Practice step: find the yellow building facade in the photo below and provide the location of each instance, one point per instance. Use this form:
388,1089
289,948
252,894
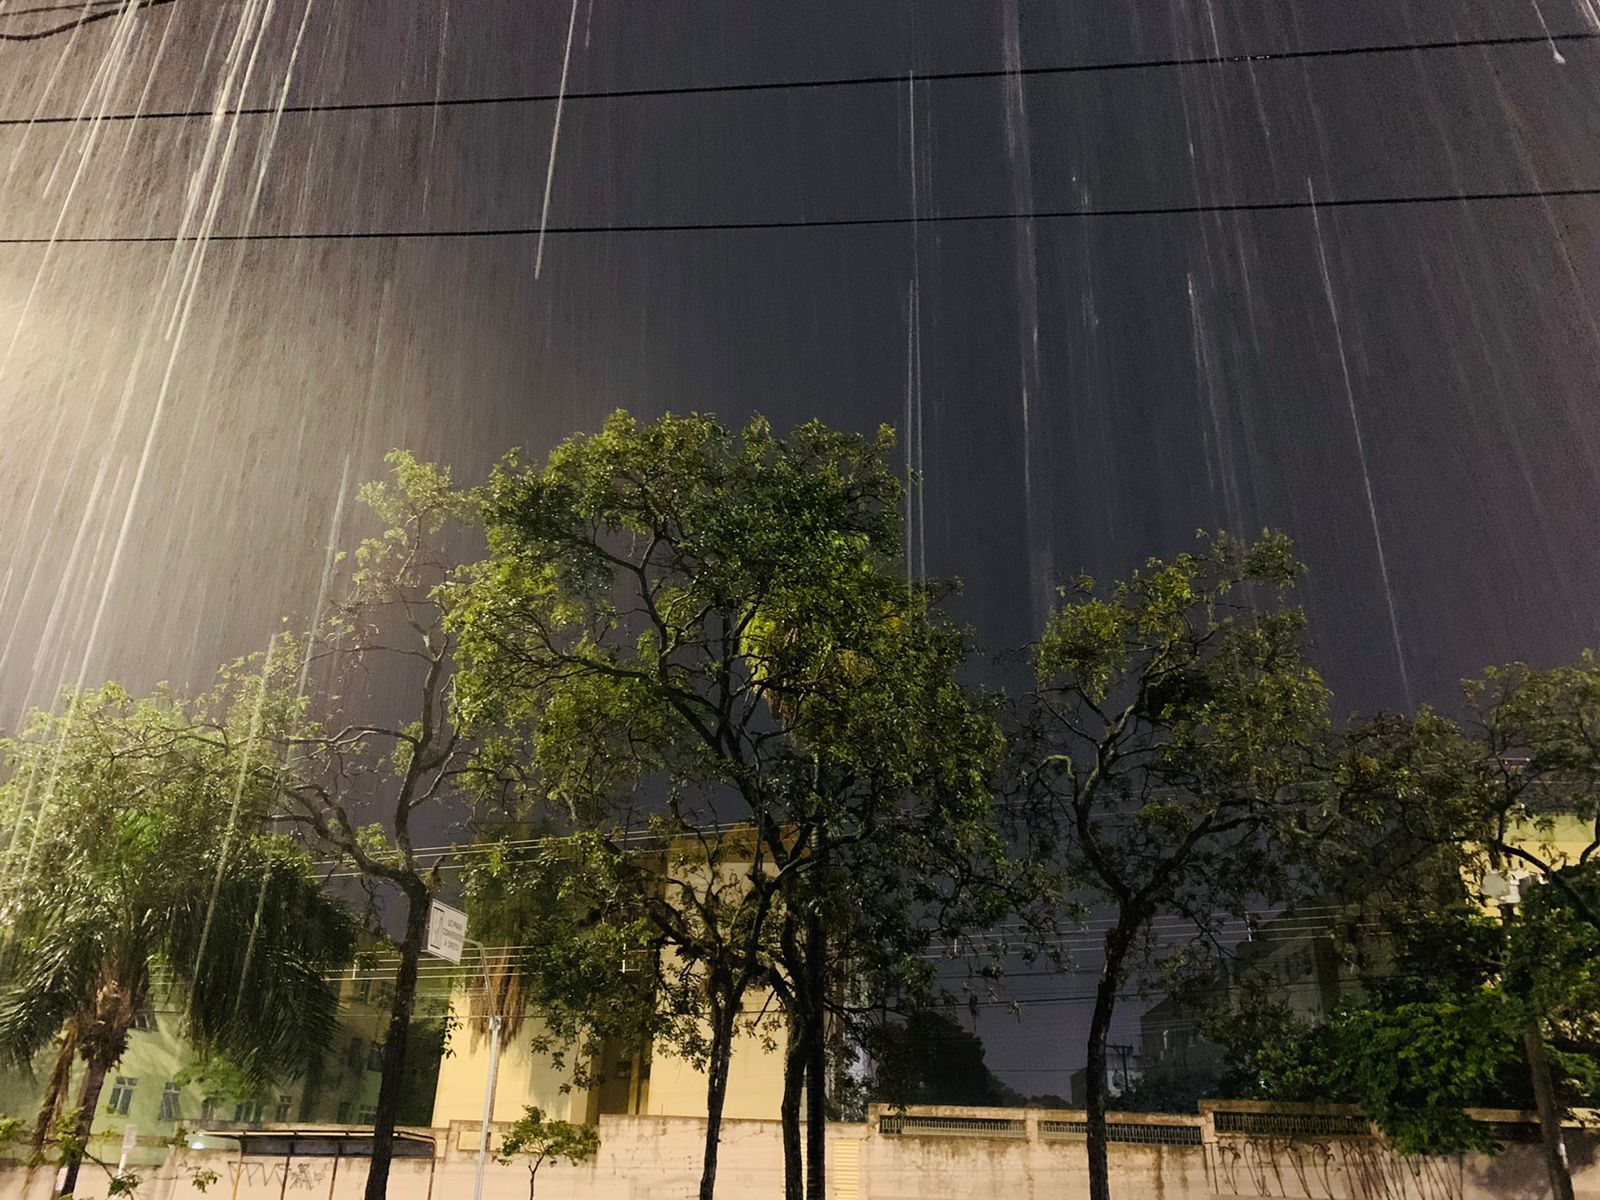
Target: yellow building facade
655,1083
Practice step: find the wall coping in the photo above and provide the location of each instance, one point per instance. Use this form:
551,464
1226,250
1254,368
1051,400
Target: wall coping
960,1111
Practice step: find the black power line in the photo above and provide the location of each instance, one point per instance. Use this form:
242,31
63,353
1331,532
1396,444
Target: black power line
718,89
1061,214
85,17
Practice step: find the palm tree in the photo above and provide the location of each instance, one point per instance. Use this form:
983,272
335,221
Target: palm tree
138,867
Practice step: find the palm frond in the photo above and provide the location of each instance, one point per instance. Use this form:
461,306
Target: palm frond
261,996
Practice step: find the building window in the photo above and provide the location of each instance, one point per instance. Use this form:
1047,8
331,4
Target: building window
248,1112
144,1020
356,1053
364,990
281,1113
171,1098
208,1109
368,1115
375,1057
344,1112
121,1095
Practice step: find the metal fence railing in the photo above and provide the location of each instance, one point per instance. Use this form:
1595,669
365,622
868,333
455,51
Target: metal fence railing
896,1124
1292,1125
1123,1131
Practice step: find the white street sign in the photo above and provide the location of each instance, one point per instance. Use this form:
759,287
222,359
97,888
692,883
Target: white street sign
1503,887
447,931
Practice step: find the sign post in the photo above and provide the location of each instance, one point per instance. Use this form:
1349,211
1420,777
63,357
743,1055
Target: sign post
488,1106
130,1140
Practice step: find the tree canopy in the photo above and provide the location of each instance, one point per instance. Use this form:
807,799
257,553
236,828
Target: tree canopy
1172,760
704,633
143,869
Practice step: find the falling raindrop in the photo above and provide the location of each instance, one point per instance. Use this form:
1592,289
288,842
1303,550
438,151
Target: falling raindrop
555,140
230,830
1361,447
1555,50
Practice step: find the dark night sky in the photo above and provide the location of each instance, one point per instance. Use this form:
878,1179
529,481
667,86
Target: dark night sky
1408,389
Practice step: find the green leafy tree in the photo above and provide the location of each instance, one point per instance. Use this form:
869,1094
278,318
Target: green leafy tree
591,969
1512,789
538,1141
1514,786
1433,1036
903,852
928,1058
141,869
1442,1028
391,619
1173,757
702,634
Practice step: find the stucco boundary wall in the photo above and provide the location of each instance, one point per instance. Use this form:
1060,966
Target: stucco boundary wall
1227,1150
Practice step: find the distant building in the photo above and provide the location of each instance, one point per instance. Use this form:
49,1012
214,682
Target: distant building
1293,957
158,1088
1124,1072
648,1081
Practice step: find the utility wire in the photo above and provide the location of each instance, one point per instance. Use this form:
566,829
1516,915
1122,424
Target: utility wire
85,18
383,966
1060,214
829,83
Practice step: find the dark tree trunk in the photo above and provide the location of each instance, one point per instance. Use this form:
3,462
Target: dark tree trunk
55,1091
722,1022
796,1058
816,985
1544,1095
1117,944
88,1105
392,1081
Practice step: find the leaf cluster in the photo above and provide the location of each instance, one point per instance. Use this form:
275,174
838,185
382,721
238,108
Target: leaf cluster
540,1140
138,847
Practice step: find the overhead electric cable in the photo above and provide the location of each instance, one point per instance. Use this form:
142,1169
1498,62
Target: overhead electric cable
829,83
1058,214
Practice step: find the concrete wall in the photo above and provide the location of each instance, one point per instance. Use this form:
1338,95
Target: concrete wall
943,1154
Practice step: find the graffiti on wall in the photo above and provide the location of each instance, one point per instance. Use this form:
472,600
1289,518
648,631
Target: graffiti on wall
299,1175
1330,1169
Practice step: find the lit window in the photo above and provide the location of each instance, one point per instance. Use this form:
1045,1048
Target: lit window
171,1097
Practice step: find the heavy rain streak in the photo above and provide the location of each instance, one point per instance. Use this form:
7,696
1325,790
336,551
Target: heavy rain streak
1115,275
1115,272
